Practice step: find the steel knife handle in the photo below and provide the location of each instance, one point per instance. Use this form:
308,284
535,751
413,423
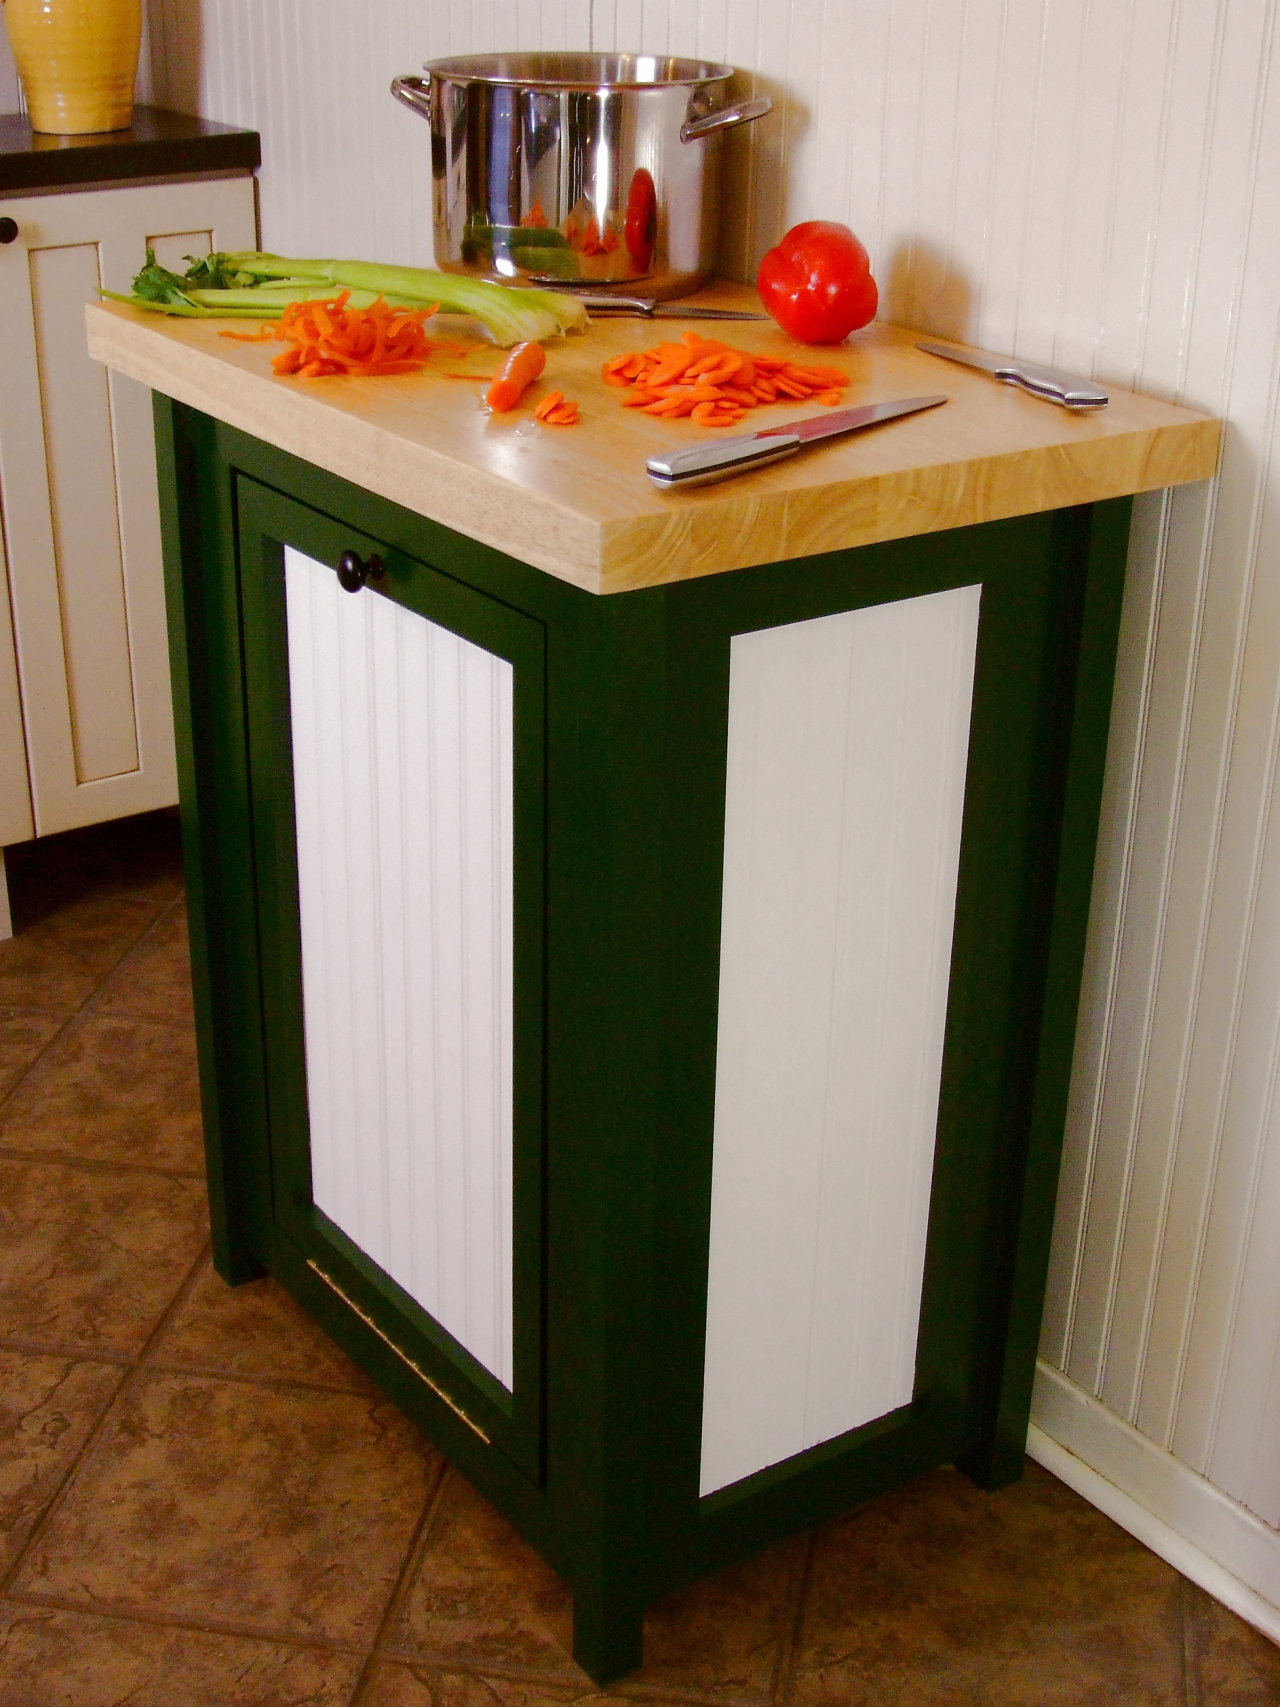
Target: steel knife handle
699,465
616,304
1069,389
1064,388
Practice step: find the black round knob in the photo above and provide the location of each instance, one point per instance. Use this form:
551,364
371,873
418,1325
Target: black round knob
8,229
354,570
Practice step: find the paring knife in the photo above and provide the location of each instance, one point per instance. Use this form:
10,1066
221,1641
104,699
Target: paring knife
1047,382
652,309
699,465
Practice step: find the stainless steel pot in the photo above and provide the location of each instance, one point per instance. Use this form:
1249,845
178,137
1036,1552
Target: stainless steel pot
595,170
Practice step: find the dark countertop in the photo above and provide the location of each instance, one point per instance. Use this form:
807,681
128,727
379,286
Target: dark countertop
158,144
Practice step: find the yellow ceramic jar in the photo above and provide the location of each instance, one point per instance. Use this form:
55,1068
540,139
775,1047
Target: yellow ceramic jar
77,60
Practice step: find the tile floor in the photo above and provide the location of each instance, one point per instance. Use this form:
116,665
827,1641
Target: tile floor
204,1504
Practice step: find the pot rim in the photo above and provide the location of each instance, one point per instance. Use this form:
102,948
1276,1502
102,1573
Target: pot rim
573,71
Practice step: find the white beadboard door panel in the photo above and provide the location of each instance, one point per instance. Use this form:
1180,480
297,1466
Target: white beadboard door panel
848,741
402,757
78,491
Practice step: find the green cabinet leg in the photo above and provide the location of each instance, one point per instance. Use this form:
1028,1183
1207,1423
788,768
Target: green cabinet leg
1101,546
608,1631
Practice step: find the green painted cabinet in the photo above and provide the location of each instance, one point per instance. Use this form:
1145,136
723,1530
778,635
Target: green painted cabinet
638,1027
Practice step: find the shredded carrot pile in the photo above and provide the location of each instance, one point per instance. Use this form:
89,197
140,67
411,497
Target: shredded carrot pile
327,337
557,410
713,384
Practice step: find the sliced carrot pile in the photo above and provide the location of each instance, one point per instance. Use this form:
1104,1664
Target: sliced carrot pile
714,384
557,410
326,337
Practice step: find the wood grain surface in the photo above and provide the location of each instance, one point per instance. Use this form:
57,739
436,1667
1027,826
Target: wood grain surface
576,502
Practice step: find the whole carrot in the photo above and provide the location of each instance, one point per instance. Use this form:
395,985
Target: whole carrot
519,369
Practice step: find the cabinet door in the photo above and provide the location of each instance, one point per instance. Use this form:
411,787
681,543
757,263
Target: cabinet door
396,760
78,490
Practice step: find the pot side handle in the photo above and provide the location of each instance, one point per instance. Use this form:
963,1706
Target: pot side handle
744,113
415,92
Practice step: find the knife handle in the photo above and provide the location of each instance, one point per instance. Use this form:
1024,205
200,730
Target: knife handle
699,465
1051,383
1058,387
616,304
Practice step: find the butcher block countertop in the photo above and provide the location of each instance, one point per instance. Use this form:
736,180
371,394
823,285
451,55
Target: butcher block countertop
576,502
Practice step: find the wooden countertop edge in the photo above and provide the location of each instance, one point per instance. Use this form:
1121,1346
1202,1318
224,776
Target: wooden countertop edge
377,460
758,519
771,527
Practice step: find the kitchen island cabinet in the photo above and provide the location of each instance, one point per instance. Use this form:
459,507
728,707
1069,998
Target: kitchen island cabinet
637,937
86,729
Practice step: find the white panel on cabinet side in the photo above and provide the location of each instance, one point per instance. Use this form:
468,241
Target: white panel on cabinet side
848,742
402,758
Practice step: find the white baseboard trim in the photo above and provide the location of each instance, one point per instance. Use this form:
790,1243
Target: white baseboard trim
1191,1524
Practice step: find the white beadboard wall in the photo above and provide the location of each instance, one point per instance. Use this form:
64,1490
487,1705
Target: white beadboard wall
10,92
1084,183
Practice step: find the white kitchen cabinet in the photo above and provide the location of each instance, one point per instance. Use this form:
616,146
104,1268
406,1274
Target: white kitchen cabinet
86,729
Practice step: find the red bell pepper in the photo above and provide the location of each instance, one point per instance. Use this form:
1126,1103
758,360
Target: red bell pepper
817,283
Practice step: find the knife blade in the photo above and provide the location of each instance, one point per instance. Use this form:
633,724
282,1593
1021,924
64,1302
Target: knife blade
699,465
652,309
1051,383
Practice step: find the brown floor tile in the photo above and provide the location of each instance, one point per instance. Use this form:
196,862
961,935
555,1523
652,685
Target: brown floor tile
482,1597
938,1594
286,1513
47,1408
23,1035
397,1685
1232,1664
114,1089
720,1640
57,962
73,1659
154,981
90,1260
253,1330
138,857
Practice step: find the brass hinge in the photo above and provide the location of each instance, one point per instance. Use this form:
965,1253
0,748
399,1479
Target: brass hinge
402,1355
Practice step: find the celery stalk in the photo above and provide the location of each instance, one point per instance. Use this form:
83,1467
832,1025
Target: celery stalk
509,315
512,316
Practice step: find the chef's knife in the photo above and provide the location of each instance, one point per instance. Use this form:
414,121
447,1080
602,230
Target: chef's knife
1048,382
651,309
699,465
